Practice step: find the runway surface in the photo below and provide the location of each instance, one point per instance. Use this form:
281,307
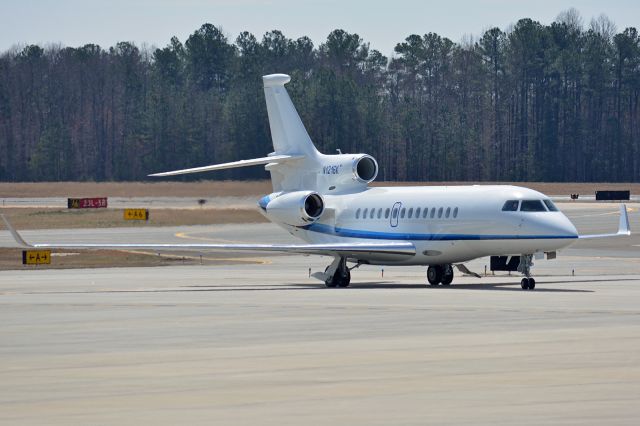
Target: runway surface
265,344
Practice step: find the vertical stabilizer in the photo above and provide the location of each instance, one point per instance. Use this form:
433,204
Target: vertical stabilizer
287,131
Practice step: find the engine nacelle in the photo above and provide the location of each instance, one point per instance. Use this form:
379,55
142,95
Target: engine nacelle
293,208
348,170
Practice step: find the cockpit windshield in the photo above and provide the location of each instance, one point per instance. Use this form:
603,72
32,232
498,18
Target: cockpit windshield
529,206
532,206
510,206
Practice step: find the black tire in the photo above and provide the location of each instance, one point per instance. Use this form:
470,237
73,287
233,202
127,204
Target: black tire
344,280
339,280
447,275
532,283
524,283
434,274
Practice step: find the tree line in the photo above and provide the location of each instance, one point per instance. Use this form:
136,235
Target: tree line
556,102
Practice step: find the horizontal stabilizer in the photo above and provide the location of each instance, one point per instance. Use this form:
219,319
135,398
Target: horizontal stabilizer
623,226
232,165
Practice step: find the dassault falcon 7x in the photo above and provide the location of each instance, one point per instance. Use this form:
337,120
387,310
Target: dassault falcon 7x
325,200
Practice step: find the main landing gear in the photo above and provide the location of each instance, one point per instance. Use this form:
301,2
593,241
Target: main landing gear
526,262
337,274
440,274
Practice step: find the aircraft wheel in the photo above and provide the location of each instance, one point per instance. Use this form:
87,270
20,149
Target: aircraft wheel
528,283
447,275
339,280
345,279
434,274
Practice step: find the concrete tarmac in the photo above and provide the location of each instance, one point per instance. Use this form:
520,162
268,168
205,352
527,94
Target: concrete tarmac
265,344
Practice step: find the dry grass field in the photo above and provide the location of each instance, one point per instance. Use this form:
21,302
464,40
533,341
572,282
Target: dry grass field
47,218
135,189
245,188
549,188
11,259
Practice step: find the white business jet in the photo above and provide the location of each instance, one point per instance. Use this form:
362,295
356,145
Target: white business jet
325,201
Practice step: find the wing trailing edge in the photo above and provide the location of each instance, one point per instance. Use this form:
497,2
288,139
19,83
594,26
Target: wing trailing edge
395,250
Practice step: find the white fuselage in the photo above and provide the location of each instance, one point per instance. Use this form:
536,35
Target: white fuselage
461,223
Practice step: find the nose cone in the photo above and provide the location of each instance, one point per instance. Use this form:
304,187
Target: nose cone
567,227
555,225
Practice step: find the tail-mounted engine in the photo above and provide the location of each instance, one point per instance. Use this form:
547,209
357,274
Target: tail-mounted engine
297,208
346,171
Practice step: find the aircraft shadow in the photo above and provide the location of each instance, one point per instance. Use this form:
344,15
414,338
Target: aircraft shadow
478,287
372,285
540,286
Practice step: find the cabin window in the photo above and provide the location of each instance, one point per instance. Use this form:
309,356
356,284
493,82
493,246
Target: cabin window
425,212
532,206
395,213
418,213
373,212
410,212
552,207
433,212
510,206
448,212
364,214
455,212
386,213
439,212
379,213
402,212
358,214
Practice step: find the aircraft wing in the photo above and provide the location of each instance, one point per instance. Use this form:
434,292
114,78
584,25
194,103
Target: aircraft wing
232,165
386,250
623,226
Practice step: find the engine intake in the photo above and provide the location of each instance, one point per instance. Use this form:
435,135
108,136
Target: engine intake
295,208
313,206
365,169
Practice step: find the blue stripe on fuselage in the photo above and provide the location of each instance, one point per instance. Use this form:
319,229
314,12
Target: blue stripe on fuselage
357,233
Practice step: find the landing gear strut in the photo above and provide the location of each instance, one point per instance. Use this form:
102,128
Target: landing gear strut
440,274
526,262
338,274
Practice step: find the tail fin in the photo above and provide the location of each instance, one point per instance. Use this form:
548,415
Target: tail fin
293,164
287,131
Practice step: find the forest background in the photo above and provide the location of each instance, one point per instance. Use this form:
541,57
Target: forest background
557,102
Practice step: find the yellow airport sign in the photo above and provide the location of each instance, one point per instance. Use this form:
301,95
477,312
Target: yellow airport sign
36,257
136,214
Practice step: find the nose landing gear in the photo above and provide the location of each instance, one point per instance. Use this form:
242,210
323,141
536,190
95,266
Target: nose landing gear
528,283
526,262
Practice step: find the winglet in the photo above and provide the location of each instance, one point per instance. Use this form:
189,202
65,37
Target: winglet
14,233
623,226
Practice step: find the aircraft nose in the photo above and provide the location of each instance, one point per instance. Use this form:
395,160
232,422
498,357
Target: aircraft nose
567,227
556,225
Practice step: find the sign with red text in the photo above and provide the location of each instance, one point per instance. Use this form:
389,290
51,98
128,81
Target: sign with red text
87,203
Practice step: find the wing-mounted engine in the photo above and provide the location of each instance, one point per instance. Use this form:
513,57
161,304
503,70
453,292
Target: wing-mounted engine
344,172
297,208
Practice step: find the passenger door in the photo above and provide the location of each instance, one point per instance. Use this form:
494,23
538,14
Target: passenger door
395,213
